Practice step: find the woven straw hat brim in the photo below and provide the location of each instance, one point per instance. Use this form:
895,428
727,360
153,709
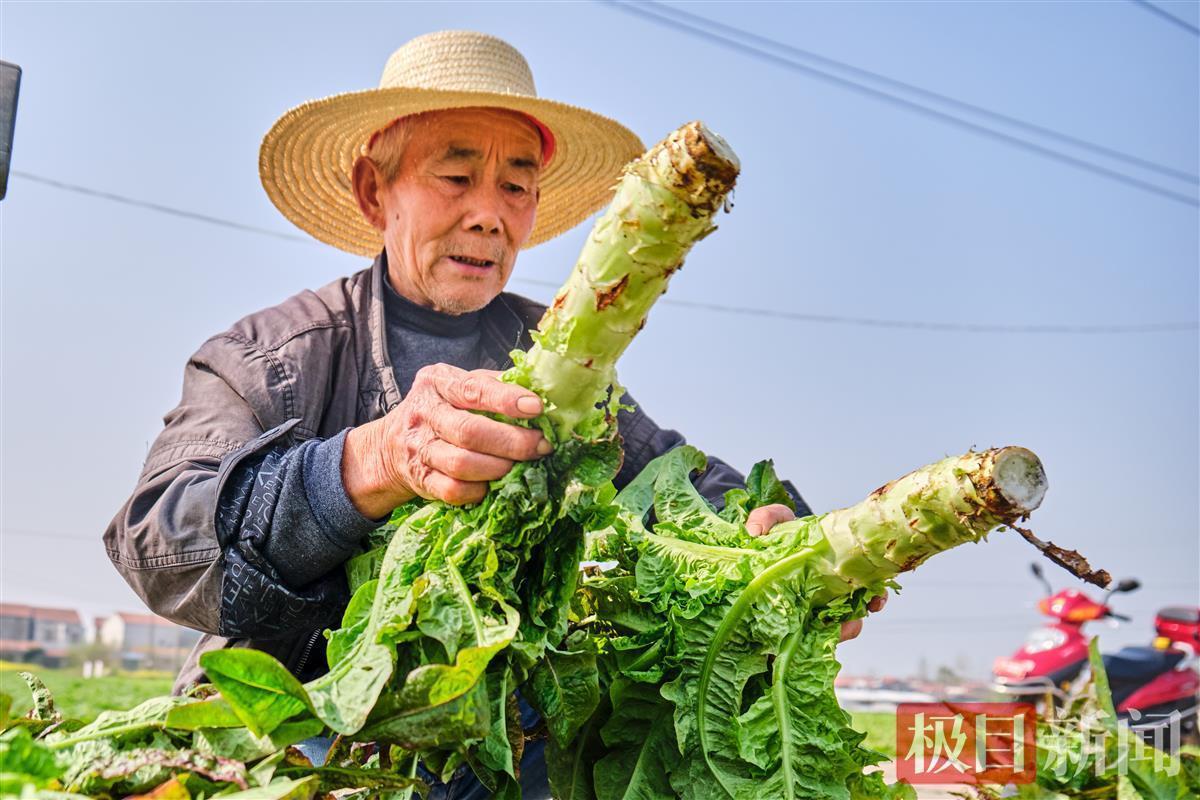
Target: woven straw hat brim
306,159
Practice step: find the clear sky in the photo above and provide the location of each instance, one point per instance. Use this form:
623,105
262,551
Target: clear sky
847,207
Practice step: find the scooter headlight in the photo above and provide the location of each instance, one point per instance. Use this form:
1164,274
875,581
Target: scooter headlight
1043,639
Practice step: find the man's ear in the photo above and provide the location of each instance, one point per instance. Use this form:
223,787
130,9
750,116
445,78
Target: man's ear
368,185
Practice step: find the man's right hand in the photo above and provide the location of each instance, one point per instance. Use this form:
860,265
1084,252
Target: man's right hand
432,445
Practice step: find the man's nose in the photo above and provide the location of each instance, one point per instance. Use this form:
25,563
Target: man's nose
483,215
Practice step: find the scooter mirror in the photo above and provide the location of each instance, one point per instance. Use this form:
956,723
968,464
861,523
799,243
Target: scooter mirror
1128,585
1036,569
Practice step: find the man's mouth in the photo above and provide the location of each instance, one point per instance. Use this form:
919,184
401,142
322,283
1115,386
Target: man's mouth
473,262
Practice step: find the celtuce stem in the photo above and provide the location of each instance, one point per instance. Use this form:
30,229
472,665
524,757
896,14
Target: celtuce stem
934,508
663,205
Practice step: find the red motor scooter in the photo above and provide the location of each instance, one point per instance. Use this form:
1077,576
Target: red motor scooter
1157,688
1053,656
1153,688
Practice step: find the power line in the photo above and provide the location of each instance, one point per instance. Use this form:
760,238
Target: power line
795,316
941,98
670,18
1166,15
177,212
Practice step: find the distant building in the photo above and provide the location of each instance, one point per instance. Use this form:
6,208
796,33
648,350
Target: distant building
146,641
38,635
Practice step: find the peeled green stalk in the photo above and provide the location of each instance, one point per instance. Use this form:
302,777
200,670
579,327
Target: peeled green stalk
663,205
904,522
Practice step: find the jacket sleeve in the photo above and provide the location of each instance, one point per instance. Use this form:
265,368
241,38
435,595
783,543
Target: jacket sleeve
644,441
220,533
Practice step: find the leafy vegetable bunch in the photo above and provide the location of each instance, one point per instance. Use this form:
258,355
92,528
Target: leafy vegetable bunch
713,650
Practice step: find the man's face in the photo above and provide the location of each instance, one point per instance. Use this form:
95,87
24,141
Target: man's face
461,206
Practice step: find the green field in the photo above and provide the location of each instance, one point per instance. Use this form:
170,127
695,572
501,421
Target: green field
84,699
880,728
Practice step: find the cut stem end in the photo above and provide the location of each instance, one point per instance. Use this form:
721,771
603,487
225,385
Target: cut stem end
1019,476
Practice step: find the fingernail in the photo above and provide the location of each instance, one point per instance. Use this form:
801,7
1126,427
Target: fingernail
754,529
529,405
544,448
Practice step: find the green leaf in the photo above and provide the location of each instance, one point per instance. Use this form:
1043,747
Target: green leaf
1101,687
354,623
345,696
364,567
677,503
282,789
565,690
242,745
379,782
640,737
796,730
671,571
262,773
43,709
637,498
142,768
765,488
25,762
120,725
260,690
214,712
439,705
569,768
500,750
447,611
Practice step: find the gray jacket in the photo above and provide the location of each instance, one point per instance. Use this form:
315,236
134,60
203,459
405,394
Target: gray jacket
190,539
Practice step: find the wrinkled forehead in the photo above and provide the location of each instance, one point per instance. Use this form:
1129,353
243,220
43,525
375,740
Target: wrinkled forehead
469,132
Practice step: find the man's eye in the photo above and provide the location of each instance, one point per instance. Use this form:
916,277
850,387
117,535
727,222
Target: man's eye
458,180
513,188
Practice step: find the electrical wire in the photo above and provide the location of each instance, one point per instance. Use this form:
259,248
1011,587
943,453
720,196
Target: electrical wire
1166,15
760,313
669,18
162,209
954,102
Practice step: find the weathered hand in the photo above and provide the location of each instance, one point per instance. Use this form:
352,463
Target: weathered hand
432,445
763,518
854,627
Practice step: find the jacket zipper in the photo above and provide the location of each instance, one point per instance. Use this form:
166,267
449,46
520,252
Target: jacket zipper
308,648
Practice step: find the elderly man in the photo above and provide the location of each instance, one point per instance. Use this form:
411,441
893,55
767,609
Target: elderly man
302,426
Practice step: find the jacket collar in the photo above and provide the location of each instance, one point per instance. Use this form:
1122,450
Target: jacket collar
376,326
504,330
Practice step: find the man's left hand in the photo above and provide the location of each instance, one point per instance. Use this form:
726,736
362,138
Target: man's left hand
763,518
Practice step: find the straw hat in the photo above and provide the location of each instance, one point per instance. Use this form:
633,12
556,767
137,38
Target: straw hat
306,158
